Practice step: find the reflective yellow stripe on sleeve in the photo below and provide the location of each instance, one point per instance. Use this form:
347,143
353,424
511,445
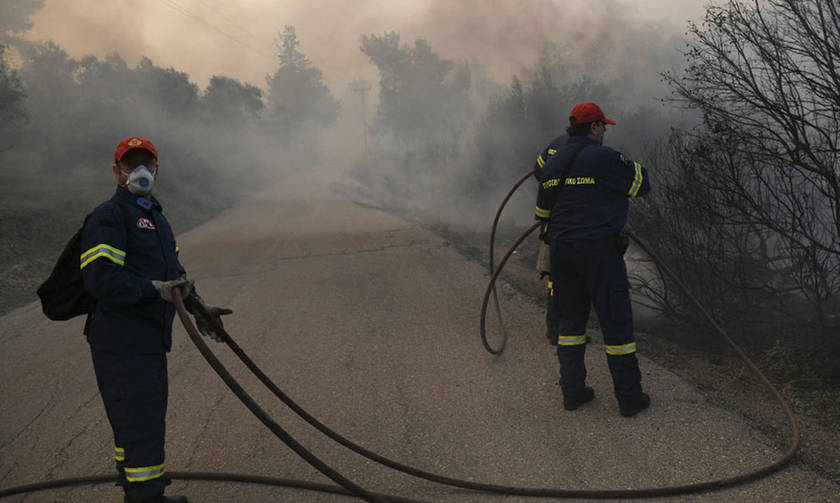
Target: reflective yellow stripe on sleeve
541,213
551,151
637,181
102,250
624,349
540,161
143,473
119,453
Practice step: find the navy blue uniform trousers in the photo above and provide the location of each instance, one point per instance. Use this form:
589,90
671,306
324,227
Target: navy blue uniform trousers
586,274
134,389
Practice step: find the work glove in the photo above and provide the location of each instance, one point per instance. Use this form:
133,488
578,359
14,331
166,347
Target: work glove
544,232
165,288
212,328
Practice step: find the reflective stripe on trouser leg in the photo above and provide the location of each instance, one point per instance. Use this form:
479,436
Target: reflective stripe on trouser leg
134,390
621,349
144,473
119,453
612,304
572,302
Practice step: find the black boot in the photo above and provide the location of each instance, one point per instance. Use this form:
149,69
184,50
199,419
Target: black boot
158,499
572,402
634,407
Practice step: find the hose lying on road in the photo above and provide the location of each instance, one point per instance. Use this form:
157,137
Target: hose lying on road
349,488
513,490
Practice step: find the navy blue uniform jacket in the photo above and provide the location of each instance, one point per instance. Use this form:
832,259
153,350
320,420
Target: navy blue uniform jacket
126,243
590,202
552,148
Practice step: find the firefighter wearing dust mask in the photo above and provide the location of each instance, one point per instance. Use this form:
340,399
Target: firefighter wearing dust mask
129,263
583,196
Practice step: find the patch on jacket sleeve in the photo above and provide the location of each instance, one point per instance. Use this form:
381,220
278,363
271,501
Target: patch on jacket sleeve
625,160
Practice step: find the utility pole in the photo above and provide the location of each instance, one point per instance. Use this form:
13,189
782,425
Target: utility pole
362,87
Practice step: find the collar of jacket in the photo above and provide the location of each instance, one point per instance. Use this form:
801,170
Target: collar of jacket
578,140
124,195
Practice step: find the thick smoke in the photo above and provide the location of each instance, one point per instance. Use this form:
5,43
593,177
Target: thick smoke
211,37
147,68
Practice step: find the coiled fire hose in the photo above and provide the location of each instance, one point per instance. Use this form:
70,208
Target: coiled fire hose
351,489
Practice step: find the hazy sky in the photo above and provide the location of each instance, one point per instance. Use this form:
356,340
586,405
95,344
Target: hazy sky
234,37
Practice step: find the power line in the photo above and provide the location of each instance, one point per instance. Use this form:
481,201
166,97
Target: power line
184,11
225,16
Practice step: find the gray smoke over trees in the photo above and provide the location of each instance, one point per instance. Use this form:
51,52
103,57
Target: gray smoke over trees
230,102
421,122
15,17
412,79
451,142
62,118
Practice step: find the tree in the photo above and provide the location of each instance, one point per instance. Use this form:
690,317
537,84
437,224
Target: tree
14,16
519,123
297,98
12,111
423,99
49,79
230,102
168,88
765,76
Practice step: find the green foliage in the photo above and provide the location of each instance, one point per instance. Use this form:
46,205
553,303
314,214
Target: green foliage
297,99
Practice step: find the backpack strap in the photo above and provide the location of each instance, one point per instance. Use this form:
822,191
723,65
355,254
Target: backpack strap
569,166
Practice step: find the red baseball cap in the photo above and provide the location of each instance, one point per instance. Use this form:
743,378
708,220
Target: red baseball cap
588,112
131,143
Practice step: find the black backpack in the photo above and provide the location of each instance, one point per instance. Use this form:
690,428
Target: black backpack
63,295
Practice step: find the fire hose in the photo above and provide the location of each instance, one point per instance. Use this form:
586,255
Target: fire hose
347,487
701,486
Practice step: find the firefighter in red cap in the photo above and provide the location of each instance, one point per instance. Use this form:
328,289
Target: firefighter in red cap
129,263
583,196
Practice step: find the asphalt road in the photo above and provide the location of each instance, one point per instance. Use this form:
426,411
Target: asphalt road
370,323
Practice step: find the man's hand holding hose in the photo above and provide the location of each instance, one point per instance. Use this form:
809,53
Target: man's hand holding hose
210,325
